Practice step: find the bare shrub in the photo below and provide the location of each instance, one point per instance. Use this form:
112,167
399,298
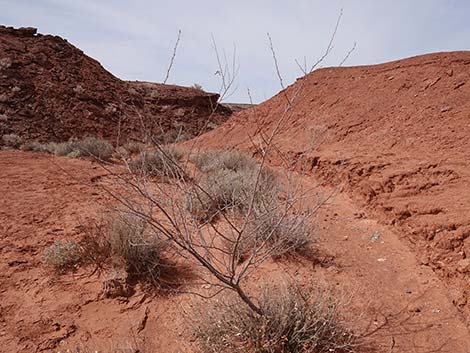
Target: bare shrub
161,163
62,256
12,140
293,322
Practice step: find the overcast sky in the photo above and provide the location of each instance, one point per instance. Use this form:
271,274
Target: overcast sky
134,39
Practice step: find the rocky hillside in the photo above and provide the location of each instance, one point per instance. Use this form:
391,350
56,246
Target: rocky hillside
50,90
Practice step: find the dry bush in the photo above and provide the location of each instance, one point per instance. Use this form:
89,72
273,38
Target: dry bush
293,322
134,147
124,242
283,233
162,163
89,146
69,149
96,147
62,256
232,189
223,159
36,146
12,140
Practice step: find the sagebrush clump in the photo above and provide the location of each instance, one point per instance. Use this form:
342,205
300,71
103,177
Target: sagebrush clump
162,163
231,181
292,322
12,140
125,242
62,255
89,146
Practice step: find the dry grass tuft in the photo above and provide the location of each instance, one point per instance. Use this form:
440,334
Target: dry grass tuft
163,163
12,140
232,188
62,256
293,322
89,146
223,159
282,233
125,242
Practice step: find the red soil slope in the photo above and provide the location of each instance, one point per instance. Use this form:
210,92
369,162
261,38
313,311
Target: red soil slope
50,90
395,136
391,300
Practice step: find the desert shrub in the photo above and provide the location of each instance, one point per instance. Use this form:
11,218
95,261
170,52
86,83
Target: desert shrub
89,146
163,163
225,189
62,255
124,241
222,159
134,147
282,233
12,140
198,87
36,146
95,147
69,148
170,136
292,322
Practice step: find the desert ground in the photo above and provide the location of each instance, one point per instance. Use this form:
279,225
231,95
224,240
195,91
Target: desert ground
377,156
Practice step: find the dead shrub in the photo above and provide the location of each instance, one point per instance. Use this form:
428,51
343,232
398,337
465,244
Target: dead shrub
163,163
292,322
62,256
12,140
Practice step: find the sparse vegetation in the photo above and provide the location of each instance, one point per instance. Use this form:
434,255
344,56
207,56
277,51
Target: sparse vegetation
283,233
62,255
293,322
125,243
89,146
162,163
12,141
232,181
36,146
223,159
